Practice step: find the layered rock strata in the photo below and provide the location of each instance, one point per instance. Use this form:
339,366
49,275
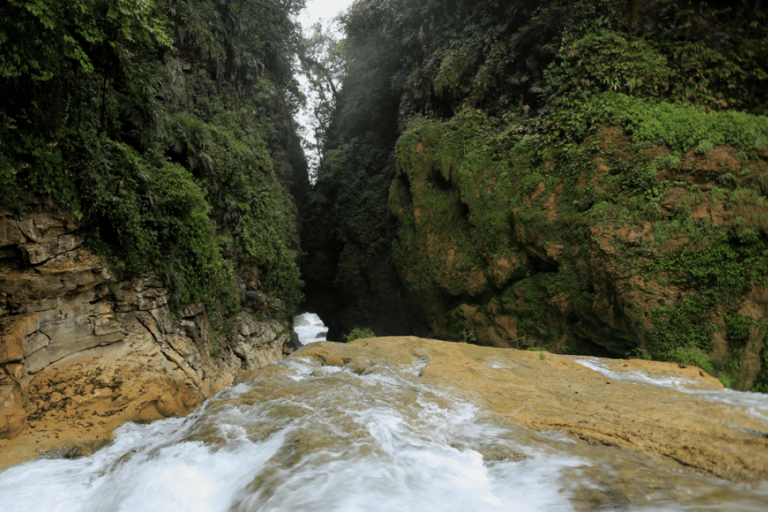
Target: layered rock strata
80,350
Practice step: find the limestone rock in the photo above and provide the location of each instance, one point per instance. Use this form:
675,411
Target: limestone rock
75,328
37,253
55,282
199,329
35,342
71,352
191,310
13,333
47,225
10,234
36,361
141,294
12,414
257,343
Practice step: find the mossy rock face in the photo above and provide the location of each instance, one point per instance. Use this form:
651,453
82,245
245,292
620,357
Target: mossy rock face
631,243
588,176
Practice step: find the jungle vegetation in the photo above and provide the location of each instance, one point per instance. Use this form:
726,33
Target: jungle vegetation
164,126
522,89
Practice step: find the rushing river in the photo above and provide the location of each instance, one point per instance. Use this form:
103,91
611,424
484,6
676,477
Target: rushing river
301,436
309,327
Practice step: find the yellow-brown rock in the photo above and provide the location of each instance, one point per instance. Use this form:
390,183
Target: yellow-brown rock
78,358
546,392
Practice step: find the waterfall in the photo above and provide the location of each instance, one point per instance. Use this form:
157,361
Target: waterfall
310,328
300,435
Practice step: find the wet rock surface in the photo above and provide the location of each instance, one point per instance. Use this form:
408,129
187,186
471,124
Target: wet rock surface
548,392
439,424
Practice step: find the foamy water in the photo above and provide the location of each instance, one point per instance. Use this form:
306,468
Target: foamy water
310,328
321,438
755,403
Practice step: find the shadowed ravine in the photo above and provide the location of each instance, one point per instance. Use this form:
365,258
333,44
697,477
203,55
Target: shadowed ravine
414,424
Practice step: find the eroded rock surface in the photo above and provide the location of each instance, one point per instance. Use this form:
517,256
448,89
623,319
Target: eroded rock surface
548,392
83,353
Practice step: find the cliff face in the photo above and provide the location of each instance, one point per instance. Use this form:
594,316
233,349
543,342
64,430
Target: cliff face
586,176
508,252
158,137
79,349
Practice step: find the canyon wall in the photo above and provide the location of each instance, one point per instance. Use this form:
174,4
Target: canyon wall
78,346
569,253
588,177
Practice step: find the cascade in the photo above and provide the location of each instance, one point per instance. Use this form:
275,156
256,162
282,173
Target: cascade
323,431
310,328
384,425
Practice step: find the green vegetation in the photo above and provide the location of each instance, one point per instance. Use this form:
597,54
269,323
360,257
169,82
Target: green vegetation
359,333
587,176
165,128
678,126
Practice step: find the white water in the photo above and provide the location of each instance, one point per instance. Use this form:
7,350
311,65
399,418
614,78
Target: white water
322,438
346,443
310,328
755,403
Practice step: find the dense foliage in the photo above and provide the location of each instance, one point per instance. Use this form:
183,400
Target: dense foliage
165,126
494,102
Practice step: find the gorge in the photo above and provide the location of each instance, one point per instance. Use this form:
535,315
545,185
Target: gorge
590,180
553,216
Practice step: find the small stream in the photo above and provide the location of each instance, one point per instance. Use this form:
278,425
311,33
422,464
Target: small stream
300,436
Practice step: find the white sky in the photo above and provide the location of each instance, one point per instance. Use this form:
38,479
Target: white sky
316,10
325,9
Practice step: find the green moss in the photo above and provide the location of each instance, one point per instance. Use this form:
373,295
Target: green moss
161,216
680,127
516,154
723,267
359,333
737,327
187,179
681,329
717,263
